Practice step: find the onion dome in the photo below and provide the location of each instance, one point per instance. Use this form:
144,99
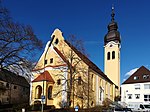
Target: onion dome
113,33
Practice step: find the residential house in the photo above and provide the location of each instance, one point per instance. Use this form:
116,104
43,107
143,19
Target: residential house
14,89
136,89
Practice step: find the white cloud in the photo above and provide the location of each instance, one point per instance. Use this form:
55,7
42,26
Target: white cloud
131,72
124,80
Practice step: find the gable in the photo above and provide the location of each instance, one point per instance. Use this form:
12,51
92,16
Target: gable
55,52
140,76
53,58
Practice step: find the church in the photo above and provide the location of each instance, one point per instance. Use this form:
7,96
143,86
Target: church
64,76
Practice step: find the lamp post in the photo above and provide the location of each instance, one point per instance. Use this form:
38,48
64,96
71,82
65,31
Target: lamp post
44,97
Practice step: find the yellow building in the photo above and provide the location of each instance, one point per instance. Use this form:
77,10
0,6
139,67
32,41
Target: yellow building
64,71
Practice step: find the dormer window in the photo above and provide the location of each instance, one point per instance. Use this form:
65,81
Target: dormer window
145,76
136,77
51,60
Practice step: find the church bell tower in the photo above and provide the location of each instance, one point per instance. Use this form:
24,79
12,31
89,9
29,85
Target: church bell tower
112,47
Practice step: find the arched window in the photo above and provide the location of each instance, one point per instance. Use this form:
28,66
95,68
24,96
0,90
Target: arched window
38,92
113,55
50,92
108,56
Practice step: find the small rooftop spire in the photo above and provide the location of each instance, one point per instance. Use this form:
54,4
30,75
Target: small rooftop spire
113,33
112,13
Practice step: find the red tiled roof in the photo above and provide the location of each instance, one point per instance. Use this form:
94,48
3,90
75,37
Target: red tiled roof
45,76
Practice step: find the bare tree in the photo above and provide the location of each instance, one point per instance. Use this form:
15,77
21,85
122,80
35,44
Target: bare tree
18,43
76,85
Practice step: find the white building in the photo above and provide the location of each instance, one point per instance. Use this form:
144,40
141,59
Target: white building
136,89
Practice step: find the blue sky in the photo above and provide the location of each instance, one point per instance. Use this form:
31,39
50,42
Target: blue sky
88,20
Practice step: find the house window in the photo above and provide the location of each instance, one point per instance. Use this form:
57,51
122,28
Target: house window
79,80
137,96
56,41
146,97
7,85
113,55
136,78
100,93
50,92
137,86
23,88
145,76
45,62
51,60
15,87
146,86
129,96
108,56
92,82
58,82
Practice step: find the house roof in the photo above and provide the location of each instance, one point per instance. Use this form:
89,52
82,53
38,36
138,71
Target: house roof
140,76
88,62
45,76
13,78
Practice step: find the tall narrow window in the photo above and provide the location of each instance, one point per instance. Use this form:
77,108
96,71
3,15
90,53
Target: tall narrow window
45,62
58,82
79,80
92,82
51,60
56,41
50,92
7,85
108,56
38,92
113,55
101,94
